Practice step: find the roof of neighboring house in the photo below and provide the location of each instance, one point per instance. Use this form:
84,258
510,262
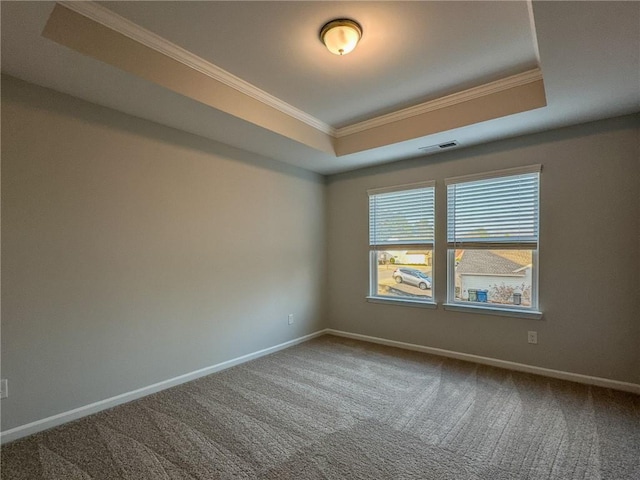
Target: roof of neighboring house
418,252
496,262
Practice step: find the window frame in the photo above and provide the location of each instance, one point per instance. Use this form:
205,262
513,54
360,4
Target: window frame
532,312
374,250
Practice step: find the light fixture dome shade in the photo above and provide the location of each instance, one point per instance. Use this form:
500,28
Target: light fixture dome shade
341,36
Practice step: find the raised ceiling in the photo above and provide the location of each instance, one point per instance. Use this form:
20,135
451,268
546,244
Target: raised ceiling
275,46
424,72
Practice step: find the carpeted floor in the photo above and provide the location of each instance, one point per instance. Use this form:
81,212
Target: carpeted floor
339,409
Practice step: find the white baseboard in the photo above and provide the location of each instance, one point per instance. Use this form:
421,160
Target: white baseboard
76,413
520,367
64,417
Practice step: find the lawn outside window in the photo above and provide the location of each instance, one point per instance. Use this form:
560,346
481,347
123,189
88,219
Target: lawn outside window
401,242
492,242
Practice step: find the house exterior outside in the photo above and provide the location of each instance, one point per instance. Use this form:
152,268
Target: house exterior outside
500,272
407,257
417,257
385,257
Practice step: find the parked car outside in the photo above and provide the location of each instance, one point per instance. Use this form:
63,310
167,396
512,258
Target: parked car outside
411,276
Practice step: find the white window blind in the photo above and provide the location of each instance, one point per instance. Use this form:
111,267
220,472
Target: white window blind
402,217
497,210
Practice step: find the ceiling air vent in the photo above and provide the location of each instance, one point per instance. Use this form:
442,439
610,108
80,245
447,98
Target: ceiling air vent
441,146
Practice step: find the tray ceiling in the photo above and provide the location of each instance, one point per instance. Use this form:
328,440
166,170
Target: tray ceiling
254,75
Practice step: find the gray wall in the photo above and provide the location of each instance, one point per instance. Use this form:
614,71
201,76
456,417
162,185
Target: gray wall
589,253
133,253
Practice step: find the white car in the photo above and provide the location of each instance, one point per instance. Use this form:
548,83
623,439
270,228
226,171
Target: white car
411,276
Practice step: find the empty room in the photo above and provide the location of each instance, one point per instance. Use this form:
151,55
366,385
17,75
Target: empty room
320,240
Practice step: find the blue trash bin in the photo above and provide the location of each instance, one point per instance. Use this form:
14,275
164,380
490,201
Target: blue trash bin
482,295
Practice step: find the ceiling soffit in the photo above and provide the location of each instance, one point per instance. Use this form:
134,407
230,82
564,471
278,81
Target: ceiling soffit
97,32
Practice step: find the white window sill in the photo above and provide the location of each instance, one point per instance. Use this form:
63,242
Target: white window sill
403,302
502,312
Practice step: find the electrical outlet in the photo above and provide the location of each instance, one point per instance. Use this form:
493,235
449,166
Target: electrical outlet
532,337
4,388
291,319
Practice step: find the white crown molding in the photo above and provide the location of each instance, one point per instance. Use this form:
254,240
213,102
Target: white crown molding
534,31
444,102
115,22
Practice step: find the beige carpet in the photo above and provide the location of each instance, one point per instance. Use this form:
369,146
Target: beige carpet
333,408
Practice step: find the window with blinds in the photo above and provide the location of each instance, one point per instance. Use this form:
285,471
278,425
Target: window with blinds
401,239
492,238
500,211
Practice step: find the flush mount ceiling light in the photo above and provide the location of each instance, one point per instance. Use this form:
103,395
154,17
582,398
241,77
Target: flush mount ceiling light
341,35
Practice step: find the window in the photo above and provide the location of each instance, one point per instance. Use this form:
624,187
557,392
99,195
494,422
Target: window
492,239
401,238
